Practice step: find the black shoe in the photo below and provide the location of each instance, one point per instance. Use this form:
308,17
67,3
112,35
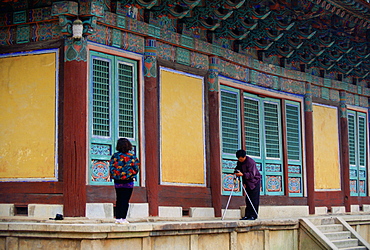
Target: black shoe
244,218
251,218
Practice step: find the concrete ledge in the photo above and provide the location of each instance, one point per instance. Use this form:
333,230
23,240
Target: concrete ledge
366,208
138,210
99,210
166,211
338,210
355,208
277,212
321,210
44,210
231,213
202,212
7,209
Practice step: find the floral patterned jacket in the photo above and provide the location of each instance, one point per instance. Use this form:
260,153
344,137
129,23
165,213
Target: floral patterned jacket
123,166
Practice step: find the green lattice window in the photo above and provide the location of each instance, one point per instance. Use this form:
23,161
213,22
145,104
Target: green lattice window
294,148
126,121
113,110
272,129
230,121
362,139
352,138
252,127
293,135
230,136
357,137
262,126
256,123
101,94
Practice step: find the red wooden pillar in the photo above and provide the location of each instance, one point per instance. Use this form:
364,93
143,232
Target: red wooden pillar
214,136
344,151
309,150
151,115
74,144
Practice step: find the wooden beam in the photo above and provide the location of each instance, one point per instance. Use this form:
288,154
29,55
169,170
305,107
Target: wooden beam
345,162
74,138
215,151
310,161
151,115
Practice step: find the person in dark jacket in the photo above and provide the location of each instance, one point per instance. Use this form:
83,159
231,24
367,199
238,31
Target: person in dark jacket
246,167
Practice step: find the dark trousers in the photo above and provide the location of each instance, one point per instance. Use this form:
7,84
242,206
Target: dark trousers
254,196
123,197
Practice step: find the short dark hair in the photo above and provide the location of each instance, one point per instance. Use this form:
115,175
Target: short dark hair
123,145
241,153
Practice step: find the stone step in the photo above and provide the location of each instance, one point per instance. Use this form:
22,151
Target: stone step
330,228
338,235
354,248
328,221
341,235
345,243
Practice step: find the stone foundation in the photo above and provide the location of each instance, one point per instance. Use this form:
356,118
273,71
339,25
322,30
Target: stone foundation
7,209
18,232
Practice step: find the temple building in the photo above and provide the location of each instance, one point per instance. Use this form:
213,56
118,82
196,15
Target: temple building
188,82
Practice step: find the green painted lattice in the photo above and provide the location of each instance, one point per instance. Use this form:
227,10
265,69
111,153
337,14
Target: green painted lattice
262,140
362,140
101,94
252,127
272,159
272,133
352,138
230,131
230,121
293,131
294,148
362,154
126,101
262,123
357,137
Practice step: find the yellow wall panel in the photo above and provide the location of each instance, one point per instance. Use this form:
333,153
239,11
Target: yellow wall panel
326,148
182,128
27,116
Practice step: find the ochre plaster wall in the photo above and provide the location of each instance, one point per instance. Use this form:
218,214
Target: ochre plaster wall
326,147
182,128
27,115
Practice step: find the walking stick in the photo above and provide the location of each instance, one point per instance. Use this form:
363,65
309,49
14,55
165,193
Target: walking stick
249,200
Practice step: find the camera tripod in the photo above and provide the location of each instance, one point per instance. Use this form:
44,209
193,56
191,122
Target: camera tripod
235,180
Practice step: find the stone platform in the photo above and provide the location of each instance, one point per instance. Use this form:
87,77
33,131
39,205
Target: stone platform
17,232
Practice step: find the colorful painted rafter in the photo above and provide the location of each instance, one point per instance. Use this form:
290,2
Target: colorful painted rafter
329,34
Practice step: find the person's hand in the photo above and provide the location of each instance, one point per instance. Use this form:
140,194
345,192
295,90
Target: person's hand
239,174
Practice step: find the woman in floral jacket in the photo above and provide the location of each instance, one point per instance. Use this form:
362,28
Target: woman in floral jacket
123,168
